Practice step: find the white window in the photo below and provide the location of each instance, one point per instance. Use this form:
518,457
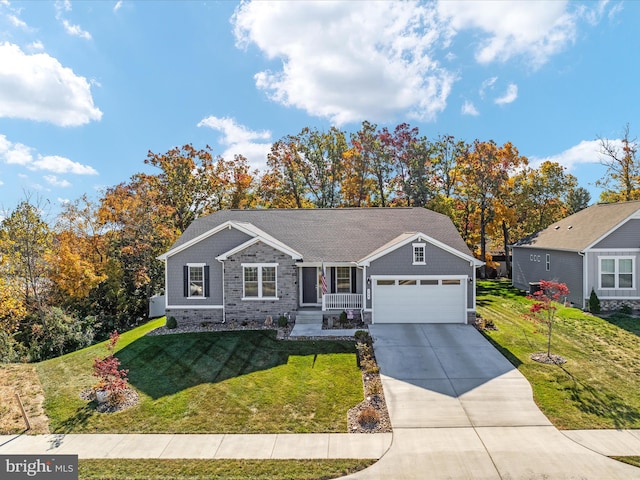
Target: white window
418,254
196,281
259,281
343,279
548,262
617,272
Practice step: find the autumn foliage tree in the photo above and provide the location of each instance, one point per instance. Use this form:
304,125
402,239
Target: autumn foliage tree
111,378
545,305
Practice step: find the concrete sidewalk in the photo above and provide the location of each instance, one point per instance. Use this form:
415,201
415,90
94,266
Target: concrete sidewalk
204,446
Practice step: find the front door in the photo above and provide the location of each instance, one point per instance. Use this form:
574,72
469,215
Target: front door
310,290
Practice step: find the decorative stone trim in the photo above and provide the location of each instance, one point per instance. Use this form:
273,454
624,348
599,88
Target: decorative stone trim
195,317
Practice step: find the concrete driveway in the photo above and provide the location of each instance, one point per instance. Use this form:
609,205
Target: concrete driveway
460,410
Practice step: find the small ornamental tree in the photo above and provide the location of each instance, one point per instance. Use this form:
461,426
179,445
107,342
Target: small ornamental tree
543,310
112,378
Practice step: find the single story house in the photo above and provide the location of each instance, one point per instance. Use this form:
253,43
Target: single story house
596,248
403,265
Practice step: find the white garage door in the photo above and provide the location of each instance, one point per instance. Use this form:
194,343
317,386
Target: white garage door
419,300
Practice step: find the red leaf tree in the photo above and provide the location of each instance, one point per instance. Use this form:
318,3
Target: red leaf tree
111,377
546,301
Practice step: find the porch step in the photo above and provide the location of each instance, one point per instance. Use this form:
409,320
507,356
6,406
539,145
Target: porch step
313,317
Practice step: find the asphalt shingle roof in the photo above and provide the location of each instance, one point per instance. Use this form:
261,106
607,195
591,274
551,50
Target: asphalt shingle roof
344,235
580,230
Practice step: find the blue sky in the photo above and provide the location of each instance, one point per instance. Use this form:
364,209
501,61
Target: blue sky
88,88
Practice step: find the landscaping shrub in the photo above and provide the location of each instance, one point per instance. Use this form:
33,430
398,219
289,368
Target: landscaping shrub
368,416
111,378
362,336
594,302
374,387
282,321
626,309
172,323
343,319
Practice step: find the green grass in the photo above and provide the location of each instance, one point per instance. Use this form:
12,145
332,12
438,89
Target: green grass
211,382
218,469
635,461
598,387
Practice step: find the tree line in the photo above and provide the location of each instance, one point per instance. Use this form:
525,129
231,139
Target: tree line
68,283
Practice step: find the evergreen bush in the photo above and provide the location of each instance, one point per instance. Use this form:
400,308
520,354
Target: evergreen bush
172,323
594,302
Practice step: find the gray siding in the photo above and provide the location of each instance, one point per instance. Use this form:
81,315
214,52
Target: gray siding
438,262
529,265
205,252
627,236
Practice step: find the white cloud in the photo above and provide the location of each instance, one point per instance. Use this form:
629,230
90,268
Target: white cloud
509,96
117,6
347,63
57,164
20,154
37,87
587,151
75,30
37,45
232,132
469,109
534,30
240,140
57,182
488,84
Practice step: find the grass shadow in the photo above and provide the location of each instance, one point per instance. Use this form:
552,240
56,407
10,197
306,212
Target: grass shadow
514,360
79,418
602,404
166,364
626,322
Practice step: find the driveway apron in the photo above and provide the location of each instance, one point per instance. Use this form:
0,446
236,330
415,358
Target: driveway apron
460,410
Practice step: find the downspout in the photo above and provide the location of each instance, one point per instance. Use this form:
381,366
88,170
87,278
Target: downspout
584,280
224,304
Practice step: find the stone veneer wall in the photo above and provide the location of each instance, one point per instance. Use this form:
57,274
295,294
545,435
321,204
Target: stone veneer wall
195,317
612,305
257,310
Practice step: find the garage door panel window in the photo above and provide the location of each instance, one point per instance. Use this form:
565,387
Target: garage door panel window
383,283
429,282
406,282
450,282
617,272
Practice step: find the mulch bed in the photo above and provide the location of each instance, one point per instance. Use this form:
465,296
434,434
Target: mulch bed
130,399
542,357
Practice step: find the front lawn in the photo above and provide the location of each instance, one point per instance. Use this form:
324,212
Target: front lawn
598,387
211,382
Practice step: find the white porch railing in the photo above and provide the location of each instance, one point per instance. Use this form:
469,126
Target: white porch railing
342,301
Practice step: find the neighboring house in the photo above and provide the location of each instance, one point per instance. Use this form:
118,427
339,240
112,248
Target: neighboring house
402,265
597,248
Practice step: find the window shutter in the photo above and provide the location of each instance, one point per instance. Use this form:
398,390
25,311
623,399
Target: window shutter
185,271
353,280
206,281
